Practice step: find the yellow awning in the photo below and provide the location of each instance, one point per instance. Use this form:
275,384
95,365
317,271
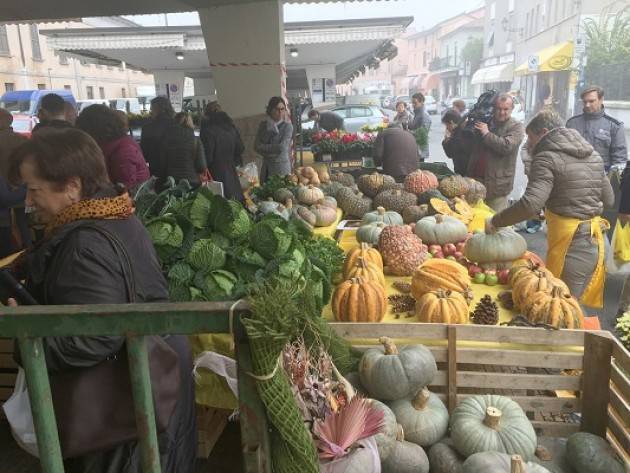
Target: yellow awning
554,58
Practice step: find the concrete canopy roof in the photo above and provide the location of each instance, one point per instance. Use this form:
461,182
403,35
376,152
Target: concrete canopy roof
349,44
29,10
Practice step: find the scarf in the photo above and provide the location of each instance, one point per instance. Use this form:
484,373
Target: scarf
111,208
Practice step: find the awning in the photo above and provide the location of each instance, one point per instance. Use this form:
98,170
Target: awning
431,81
554,58
498,73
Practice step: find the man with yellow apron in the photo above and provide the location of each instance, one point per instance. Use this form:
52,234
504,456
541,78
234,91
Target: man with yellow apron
567,178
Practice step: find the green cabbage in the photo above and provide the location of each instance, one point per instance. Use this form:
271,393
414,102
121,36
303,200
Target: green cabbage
165,231
181,273
269,240
206,255
230,218
215,285
200,209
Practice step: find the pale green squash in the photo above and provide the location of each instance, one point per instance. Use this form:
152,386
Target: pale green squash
381,215
443,457
406,457
370,233
390,432
495,462
588,453
424,417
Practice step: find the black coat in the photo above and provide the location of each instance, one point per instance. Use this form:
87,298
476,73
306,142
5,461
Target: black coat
181,155
224,148
80,266
151,141
459,148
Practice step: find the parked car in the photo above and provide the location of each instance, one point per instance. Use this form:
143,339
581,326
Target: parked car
24,106
356,117
430,105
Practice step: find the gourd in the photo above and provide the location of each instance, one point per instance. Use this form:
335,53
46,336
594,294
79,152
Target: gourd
414,213
370,233
309,195
424,417
332,188
389,374
322,173
495,462
382,215
372,184
440,229
343,177
395,200
329,201
528,285
364,251
359,300
453,186
406,457
492,423
444,307
282,195
440,274
307,176
401,249
557,309
420,181
588,453
443,457
390,432
354,205
426,197
525,268
324,216
367,271
505,245
476,191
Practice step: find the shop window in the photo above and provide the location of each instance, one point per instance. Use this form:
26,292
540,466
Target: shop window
89,90
35,46
4,41
68,87
9,86
101,92
41,86
123,92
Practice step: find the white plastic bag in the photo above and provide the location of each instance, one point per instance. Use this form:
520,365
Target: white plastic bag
614,265
219,364
18,411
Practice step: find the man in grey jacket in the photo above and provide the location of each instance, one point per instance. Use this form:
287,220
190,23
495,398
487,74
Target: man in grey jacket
603,132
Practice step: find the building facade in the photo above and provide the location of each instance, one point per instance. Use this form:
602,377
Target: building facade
26,63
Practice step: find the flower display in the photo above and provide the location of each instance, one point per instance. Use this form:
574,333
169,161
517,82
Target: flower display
340,141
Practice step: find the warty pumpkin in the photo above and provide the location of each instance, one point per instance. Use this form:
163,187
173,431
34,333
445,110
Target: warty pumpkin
476,191
588,453
505,245
344,178
401,249
440,274
367,271
453,186
424,418
414,213
354,204
420,181
359,300
492,423
364,251
390,374
372,184
395,200
370,233
381,215
332,188
527,286
440,229
556,308
444,307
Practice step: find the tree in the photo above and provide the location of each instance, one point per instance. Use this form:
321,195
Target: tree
608,39
472,53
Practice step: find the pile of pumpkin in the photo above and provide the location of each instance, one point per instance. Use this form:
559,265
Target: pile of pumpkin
488,433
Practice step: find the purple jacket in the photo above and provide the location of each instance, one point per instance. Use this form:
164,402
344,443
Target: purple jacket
125,163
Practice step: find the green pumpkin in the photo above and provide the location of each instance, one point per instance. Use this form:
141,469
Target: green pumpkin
588,453
426,197
389,374
443,457
395,200
424,418
282,195
332,188
496,462
390,432
382,215
504,245
492,422
406,457
441,229
370,233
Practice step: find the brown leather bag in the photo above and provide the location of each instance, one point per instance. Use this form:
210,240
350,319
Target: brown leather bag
94,406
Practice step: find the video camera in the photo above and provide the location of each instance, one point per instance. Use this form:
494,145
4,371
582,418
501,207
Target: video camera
482,111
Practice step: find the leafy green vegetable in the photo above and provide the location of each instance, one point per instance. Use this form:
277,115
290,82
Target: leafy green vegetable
179,292
221,241
269,240
325,253
216,285
181,273
205,255
200,209
271,185
165,231
230,218
244,254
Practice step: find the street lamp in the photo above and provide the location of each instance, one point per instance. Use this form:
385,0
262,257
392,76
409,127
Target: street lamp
294,52
179,55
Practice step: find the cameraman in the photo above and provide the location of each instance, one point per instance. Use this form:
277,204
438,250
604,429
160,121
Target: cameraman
456,144
493,159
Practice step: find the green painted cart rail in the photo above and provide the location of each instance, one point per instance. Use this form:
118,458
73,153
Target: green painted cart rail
29,325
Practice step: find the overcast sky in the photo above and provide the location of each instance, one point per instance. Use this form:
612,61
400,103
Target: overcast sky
425,12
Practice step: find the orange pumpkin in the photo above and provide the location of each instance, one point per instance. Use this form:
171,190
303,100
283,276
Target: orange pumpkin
557,309
528,285
440,274
359,300
366,270
446,307
364,251
525,267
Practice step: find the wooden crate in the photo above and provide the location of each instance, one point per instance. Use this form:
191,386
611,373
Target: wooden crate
8,370
566,380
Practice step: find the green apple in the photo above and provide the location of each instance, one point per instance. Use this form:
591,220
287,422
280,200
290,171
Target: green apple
479,278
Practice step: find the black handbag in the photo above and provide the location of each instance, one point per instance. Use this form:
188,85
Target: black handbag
94,406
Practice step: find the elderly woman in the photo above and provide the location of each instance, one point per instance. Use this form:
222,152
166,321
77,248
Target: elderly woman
95,251
273,140
403,117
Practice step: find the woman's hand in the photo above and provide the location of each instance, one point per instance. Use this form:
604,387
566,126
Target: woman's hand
12,302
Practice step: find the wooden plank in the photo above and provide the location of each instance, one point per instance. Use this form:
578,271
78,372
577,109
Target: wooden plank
619,430
408,330
614,443
621,355
554,429
472,379
452,368
555,405
8,379
620,406
620,380
531,359
6,345
6,361
597,354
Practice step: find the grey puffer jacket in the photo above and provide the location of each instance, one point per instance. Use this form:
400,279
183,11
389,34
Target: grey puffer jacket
273,143
567,177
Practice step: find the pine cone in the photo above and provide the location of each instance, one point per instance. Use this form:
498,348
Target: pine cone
505,298
486,312
402,286
401,303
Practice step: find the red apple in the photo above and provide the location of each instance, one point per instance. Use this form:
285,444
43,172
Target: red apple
479,278
449,249
491,279
504,275
460,246
473,270
458,255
